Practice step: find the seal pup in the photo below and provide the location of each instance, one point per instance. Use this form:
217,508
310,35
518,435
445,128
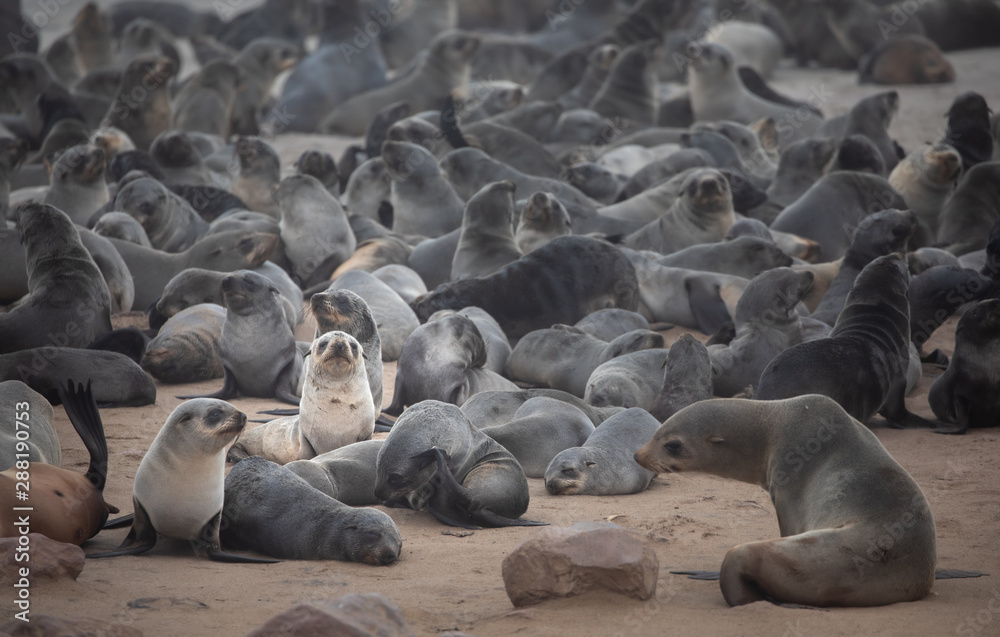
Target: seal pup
598,63
435,460
445,68
272,511
12,154
541,428
260,63
611,323
864,360
486,242
179,160
743,256
830,505
336,408
404,281
870,117
443,360
605,465
42,445
123,226
860,26
259,356
926,178
905,59
563,357
966,395
754,45
259,175
431,259
341,310
190,449
170,223
367,187
630,89
495,408
346,474
322,166
314,228
497,346
143,120
188,347
968,129
561,282
718,94
687,378
766,325
800,165
971,211
68,302
860,154
423,201
205,104
78,186
117,380
395,320
542,218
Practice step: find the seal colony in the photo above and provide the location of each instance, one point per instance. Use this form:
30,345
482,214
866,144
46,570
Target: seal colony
537,228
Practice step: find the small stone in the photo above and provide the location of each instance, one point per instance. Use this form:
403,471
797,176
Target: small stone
566,561
49,560
354,615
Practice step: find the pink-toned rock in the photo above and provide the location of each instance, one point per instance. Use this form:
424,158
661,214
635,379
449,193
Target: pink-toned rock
354,615
49,560
48,626
566,561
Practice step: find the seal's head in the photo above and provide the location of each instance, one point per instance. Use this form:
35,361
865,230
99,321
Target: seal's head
207,424
344,311
82,164
708,190
568,471
337,355
247,292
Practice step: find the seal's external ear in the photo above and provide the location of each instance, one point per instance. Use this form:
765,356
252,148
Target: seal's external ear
715,439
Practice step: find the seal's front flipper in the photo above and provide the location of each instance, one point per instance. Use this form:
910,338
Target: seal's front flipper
384,422
140,538
937,357
707,576
450,503
119,523
208,542
228,388
490,519
707,307
947,573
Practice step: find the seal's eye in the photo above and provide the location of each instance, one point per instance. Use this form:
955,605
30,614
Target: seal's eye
674,446
396,480
215,415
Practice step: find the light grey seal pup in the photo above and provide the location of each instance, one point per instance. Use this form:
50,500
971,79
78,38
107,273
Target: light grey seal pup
179,485
423,201
274,512
443,360
78,186
345,311
346,474
743,256
604,465
121,225
542,218
336,407
258,350
832,505
367,187
766,325
395,320
687,378
171,224
188,347
68,303
611,323
486,242
563,357
42,445
497,345
435,459
540,429
314,228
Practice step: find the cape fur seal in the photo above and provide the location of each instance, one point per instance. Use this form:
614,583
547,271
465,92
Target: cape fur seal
188,347
346,474
78,186
345,311
141,108
314,228
926,178
971,211
435,459
270,510
486,242
834,487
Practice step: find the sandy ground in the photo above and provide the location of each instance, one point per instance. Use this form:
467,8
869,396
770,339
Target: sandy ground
446,583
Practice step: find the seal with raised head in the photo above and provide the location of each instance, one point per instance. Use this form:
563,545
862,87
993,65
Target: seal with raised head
68,302
260,174
863,364
486,242
345,311
395,320
314,228
143,119
497,345
258,349
605,464
869,117
542,218
833,485
423,201
78,186
171,224
179,485
270,510
336,408
561,282
435,459
971,211
926,178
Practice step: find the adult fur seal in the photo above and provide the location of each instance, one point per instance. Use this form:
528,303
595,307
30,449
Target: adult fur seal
833,485
443,360
270,510
258,350
862,365
178,491
68,303
336,408
435,459
966,394
345,311
561,282
605,464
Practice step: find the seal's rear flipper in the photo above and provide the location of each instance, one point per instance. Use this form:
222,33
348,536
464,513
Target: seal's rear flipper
756,85
490,519
228,388
947,573
937,357
140,538
82,411
450,503
898,416
383,423
708,576
232,558
279,412
119,523
708,308
208,541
